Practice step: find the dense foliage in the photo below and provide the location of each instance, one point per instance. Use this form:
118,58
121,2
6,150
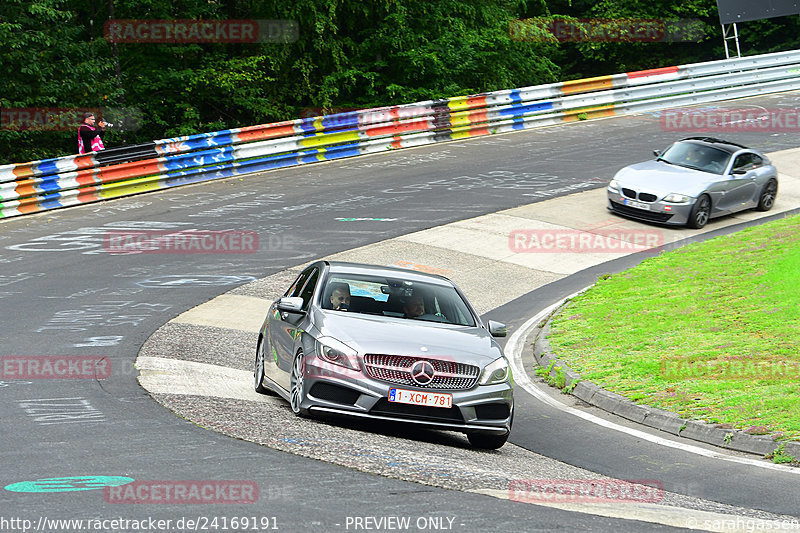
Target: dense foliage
348,54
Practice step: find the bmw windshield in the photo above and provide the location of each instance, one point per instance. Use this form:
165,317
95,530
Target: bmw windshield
697,157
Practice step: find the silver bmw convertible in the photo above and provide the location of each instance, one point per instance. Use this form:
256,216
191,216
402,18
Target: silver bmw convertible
693,181
390,344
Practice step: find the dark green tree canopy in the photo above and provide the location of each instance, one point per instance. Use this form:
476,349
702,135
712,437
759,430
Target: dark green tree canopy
348,54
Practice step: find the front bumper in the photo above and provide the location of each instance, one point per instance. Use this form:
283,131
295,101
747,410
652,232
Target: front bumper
337,390
659,211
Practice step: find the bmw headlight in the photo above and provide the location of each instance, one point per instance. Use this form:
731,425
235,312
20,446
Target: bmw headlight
613,186
338,353
495,372
675,198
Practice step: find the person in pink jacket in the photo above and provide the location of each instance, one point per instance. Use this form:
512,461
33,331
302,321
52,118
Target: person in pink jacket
90,138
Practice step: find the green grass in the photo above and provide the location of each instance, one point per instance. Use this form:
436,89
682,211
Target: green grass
710,331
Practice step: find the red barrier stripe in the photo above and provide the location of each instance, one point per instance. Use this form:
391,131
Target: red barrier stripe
478,116
476,101
652,72
134,169
261,133
403,127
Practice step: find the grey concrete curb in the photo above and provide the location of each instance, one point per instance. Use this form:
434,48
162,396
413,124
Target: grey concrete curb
591,393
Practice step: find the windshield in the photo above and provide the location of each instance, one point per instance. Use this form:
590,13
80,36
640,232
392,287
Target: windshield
697,156
396,297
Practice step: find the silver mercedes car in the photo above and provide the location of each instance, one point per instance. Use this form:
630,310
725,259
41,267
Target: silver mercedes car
390,344
693,181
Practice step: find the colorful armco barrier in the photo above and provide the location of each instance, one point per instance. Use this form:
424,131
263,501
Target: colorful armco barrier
66,181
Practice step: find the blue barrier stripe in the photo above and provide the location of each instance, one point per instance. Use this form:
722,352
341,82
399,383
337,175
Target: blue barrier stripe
47,166
50,184
519,110
516,95
307,125
341,120
194,159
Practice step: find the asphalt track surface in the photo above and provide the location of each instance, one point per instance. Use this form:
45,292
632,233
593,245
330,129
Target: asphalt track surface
62,294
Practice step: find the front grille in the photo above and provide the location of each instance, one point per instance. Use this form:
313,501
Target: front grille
630,193
647,197
449,375
418,412
640,213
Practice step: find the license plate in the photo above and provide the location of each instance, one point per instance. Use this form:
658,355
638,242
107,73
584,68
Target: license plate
637,205
428,399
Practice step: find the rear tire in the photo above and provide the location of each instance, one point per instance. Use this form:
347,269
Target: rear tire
487,441
767,198
700,213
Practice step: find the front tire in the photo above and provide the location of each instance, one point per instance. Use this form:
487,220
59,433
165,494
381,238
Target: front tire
767,198
700,213
258,372
297,385
487,441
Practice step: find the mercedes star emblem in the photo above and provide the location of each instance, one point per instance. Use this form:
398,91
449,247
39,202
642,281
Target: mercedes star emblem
422,372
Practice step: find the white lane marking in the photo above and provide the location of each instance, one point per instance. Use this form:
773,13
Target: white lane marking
515,346
160,375
652,513
231,311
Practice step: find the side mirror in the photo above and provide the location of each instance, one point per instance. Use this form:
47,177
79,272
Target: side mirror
739,172
657,153
497,329
290,304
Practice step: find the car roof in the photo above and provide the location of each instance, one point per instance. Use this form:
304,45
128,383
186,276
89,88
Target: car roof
342,267
728,146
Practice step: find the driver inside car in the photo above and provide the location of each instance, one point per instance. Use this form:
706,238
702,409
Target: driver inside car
340,298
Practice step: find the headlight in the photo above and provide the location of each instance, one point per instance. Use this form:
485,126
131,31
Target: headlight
495,372
613,186
675,198
338,353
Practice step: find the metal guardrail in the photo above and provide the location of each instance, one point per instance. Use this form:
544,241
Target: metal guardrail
49,184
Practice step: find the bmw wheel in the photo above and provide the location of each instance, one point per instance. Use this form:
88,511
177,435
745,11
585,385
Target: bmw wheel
767,198
258,373
700,213
297,385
